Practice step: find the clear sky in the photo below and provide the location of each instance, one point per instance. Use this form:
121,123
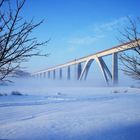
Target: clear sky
77,27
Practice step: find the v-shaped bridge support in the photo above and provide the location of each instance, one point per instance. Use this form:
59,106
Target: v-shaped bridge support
108,76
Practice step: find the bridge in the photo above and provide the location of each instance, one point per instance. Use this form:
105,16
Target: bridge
83,64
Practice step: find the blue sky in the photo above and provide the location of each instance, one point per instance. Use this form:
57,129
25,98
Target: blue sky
77,27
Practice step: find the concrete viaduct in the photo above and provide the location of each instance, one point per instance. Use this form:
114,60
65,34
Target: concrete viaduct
82,70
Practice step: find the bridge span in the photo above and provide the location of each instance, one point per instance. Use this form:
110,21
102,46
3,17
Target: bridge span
83,64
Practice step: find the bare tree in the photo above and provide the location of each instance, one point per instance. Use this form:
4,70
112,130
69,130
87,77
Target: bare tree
131,61
16,42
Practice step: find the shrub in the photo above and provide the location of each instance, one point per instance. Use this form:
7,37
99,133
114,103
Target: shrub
115,91
16,93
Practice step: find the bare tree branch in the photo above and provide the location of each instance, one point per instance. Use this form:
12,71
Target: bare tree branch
16,43
131,63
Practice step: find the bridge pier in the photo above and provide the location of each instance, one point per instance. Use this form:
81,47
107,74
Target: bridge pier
85,69
68,73
60,73
44,75
53,74
115,68
79,70
40,75
48,74
106,69
102,67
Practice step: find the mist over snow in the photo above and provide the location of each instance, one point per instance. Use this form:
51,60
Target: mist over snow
38,109
40,86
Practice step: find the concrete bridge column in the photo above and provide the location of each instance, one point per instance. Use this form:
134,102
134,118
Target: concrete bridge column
48,74
68,73
79,70
115,68
85,69
44,74
60,74
53,74
102,66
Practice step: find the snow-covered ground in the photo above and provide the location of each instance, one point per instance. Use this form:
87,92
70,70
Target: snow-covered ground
78,112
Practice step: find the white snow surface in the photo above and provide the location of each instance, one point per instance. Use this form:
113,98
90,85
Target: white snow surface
78,112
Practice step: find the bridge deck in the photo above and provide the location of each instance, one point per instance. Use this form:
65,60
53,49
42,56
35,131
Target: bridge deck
103,53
